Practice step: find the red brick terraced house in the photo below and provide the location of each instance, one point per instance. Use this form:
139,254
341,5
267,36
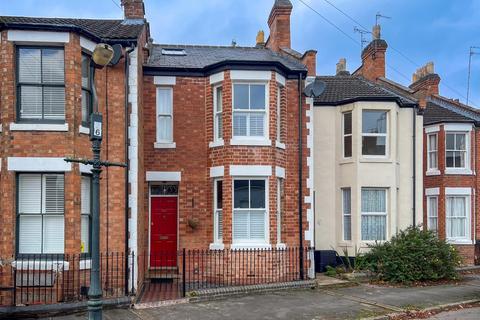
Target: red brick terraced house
450,153
45,104
221,148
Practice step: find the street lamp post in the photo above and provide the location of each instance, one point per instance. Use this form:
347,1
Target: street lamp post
101,57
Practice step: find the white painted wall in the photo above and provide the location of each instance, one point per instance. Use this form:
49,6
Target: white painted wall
332,172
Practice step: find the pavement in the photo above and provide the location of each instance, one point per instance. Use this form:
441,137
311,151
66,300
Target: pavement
362,301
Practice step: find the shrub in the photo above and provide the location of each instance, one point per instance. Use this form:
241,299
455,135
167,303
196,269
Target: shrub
412,255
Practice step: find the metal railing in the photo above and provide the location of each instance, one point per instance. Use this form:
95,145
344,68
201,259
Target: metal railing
174,274
47,279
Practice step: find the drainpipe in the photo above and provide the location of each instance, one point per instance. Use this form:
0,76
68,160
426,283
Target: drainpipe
127,161
300,173
414,141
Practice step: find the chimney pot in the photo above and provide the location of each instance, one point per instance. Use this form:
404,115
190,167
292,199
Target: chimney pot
341,66
376,32
260,40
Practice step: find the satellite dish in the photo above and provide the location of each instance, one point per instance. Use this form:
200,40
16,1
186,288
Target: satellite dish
117,54
315,89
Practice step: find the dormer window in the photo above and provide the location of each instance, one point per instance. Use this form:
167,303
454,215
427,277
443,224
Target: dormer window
174,52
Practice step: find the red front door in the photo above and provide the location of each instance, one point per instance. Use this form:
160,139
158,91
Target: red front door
163,232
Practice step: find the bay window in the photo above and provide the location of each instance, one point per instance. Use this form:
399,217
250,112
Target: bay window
432,213
374,214
249,110
218,118
86,91
218,211
432,155
374,133
249,211
280,196
456,150
164,115
457,217
347,213
279,114
86,211
40,212
347,134
40,84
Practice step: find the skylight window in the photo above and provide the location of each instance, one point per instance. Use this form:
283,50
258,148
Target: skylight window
173,52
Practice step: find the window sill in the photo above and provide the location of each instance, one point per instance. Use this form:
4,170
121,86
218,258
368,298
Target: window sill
242,246
164,145
280,145
85,264
346,161
281,246
375,160
218,143
459,241
41,265
0,127
38,127
84,130
433,172
217,246
250,142
458,171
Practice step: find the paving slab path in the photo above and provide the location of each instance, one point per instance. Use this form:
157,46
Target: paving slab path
362,301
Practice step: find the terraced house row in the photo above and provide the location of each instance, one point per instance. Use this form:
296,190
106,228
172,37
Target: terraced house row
243,166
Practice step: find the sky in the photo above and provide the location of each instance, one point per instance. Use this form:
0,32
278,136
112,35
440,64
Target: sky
441,31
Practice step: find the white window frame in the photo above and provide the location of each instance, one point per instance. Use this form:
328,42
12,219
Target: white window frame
280,208
346,215
386,134
87,214
466,168
463,193
42,212
244,243
279,114
375,214
264,140
158,115
344,135
216,238
216,115
429,212
432,151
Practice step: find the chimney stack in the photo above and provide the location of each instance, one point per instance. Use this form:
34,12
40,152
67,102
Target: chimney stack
279,24
342,67
373,57
260,40
133,9
425,81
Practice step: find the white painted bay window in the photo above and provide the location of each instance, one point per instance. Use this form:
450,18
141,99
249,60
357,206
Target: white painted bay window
249,211
87,101
218,211
280,198
432,152
218,115
250,111
40,213
347,134
374,133
457,217
86,211
164,115
279,115
374,214
456,151
40,84
432,213
347,213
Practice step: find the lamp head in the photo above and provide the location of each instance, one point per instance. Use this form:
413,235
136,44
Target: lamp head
102,54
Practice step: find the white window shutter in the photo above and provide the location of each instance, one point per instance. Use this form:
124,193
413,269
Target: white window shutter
240,225
257,224
85,197
54,194
29,193
53,234
30,235
85,234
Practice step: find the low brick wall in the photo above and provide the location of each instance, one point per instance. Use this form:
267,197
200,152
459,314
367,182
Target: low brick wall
467,252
